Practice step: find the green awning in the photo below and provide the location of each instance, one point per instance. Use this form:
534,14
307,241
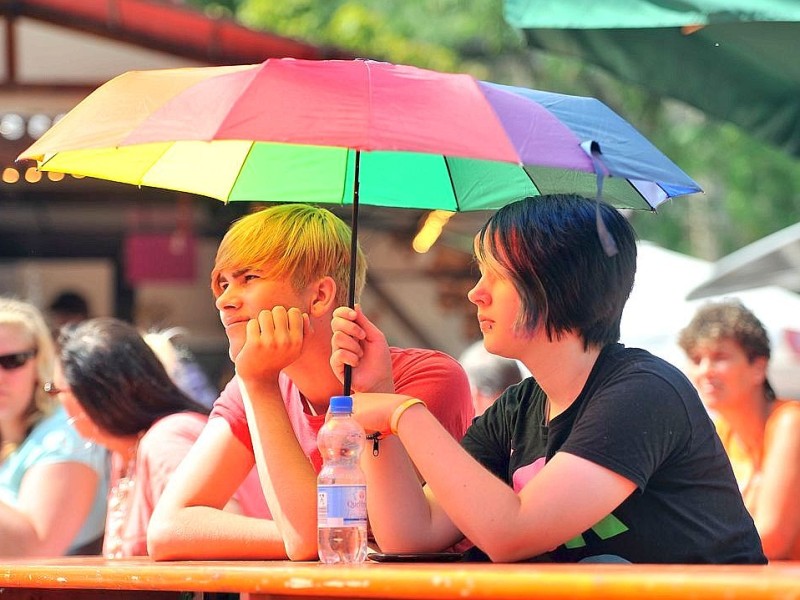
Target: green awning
742,65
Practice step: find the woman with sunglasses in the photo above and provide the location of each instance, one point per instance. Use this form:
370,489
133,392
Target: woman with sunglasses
52,482
119,394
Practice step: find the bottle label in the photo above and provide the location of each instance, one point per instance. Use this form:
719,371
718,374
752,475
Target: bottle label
342,505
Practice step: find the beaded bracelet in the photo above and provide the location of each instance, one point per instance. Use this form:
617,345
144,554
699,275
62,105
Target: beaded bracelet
398,412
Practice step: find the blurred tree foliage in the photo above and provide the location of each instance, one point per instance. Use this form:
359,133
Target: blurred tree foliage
751,189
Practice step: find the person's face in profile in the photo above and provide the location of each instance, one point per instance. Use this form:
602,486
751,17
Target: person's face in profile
78,418
18,376
499,305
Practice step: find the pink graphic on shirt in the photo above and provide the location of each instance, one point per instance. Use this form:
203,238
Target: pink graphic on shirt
524,474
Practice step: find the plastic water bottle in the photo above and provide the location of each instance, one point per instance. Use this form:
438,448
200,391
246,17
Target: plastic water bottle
341,487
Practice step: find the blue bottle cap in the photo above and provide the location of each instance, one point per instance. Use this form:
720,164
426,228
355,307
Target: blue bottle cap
341,405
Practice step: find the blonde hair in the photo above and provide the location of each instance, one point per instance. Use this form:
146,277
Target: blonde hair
295,241
28,319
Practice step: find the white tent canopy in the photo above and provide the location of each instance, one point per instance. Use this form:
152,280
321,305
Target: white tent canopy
772,260
657,310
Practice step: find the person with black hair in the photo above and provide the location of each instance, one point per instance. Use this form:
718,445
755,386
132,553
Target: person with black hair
67,308
120,395
605,454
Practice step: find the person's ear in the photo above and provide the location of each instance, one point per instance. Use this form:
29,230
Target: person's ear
759,369
323,298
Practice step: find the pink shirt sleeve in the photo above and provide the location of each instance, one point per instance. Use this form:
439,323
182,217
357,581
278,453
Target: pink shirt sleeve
440,381
230,407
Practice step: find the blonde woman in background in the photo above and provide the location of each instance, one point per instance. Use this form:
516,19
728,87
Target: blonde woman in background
53,483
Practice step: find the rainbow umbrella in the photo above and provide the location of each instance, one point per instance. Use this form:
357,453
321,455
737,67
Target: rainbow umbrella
354,132
290,130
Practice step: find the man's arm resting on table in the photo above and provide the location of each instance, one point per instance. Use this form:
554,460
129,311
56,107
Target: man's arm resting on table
287,477
189,521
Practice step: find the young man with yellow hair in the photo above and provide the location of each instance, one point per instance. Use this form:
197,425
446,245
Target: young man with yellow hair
278,276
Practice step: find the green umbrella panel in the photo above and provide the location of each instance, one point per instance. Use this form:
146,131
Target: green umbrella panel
736,60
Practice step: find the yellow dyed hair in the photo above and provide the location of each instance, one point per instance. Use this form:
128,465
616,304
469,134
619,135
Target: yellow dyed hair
295,241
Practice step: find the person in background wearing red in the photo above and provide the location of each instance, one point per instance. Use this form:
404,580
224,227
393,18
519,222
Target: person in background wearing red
119,395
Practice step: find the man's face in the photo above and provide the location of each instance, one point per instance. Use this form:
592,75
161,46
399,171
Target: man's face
244,294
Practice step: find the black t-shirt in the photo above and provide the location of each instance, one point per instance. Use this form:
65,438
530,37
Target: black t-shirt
640,417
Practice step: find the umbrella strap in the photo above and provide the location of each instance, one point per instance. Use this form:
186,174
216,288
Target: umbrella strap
607,240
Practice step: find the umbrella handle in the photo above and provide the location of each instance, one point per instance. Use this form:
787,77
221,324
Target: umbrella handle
351,289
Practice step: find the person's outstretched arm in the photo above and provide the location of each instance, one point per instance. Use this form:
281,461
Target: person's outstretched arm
53,503
189,521
775,510
551,509
275,340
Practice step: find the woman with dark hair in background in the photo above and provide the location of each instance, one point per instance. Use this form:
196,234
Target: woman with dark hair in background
120,395
52,482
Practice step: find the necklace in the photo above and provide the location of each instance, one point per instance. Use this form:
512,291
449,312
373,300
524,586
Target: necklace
119,503
7,449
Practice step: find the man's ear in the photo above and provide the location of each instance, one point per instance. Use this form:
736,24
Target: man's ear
323,297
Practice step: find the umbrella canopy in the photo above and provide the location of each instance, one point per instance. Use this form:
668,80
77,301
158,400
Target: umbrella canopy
291,130
734,59
351,132
772,260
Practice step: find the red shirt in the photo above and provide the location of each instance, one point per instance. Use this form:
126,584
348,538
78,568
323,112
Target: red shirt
429,375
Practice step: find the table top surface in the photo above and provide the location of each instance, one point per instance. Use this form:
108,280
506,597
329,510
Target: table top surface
408,581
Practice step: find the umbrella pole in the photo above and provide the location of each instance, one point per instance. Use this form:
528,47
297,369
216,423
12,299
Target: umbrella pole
351,289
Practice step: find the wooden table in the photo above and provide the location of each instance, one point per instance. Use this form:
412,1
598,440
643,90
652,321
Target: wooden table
84,578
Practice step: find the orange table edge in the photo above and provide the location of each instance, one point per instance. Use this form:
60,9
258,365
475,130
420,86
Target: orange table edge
283,579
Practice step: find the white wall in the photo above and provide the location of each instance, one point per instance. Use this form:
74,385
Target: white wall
39,281
189,305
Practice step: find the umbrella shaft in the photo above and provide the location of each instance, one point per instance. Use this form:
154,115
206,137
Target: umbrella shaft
351,290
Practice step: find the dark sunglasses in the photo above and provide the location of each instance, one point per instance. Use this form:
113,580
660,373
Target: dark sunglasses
9,362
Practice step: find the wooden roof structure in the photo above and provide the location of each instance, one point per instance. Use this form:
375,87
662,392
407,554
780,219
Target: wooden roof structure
55,52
